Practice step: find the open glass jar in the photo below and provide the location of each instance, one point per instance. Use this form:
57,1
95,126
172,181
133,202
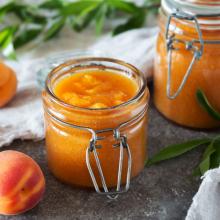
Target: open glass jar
187,59
96,147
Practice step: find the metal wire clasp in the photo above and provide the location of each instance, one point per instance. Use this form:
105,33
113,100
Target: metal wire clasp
189,45
122,144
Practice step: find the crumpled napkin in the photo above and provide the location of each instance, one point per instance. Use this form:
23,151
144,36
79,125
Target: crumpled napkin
22,118
206,202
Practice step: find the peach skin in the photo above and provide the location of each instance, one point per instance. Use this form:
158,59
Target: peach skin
8,84
22,183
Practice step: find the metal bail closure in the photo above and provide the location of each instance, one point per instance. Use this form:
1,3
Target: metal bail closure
122,144
189,45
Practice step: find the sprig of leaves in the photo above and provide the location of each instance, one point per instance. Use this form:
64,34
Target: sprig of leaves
22,22
211,155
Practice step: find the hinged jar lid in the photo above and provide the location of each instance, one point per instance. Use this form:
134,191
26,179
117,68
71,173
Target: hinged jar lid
202,8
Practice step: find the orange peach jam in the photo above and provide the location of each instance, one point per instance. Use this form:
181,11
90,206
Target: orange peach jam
185,109
96,93
95,89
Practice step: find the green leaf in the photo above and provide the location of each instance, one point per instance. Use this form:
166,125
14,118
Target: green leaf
52,4
100,18
215,158
26,36
177,150
124,6
98,14
28,13
85,20
204,103
79,7
6,44
6,8
9,51
136,21
207,159
54,28
205,164
4,33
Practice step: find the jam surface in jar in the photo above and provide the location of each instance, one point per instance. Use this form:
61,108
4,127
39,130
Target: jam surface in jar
98,99
95,89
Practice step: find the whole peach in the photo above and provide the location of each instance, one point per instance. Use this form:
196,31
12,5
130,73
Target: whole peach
22,182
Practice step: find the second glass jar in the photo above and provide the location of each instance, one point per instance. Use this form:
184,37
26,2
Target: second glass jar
183,41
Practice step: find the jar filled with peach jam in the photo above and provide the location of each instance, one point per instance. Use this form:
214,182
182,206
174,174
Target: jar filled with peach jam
96,123
187,60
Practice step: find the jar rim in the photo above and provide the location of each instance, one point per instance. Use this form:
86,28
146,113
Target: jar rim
193,7
208,13
140,93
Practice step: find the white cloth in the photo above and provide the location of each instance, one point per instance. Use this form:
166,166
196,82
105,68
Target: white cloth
135,47
23,117
206,203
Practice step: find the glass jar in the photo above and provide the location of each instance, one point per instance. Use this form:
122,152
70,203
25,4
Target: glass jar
187,59
96,147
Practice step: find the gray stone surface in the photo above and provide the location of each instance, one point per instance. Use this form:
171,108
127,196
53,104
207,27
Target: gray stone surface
162,191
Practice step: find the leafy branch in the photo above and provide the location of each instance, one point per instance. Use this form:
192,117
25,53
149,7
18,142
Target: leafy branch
22,22
211,154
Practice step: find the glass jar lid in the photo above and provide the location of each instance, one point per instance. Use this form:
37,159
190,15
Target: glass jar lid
193,7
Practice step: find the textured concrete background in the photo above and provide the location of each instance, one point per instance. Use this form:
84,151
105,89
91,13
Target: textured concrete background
162,191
